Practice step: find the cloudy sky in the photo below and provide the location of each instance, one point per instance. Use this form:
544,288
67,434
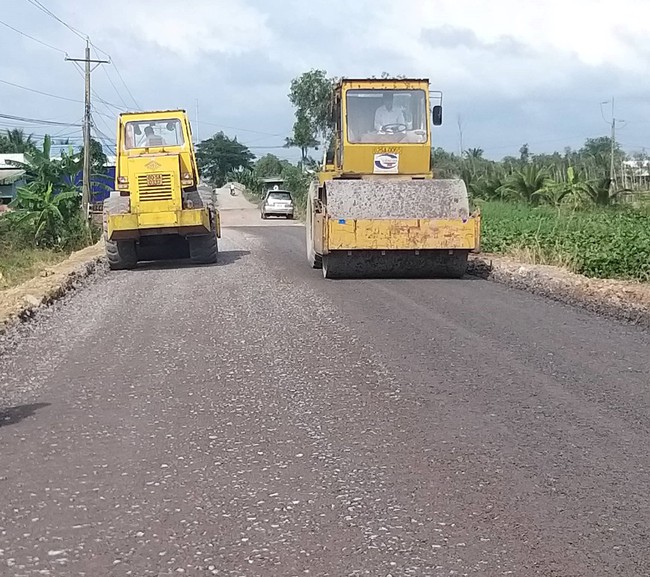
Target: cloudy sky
511,71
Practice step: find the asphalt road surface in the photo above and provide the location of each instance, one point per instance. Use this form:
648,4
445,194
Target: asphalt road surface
253,419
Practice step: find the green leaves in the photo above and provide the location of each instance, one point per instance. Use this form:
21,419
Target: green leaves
219,155
604,243
311,96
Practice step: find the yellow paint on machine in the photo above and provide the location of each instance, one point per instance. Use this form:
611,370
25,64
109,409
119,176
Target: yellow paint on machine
403,234
172,219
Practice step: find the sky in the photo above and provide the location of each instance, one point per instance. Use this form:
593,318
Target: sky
511,72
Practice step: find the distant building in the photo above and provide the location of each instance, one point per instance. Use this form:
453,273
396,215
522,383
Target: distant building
11,176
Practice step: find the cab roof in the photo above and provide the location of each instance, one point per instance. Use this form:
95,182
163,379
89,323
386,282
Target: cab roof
154,112
379,80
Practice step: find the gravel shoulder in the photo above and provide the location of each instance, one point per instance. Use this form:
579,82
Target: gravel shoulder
53,282
624,300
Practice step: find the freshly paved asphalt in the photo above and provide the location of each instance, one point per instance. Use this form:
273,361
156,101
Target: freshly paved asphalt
253,419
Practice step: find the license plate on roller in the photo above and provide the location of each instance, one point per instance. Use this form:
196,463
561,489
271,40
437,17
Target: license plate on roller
154,179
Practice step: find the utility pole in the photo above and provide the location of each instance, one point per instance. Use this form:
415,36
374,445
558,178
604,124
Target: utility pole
612,150
85,197
612,174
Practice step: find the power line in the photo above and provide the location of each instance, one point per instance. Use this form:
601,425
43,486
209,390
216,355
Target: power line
41,92
94,93
125,86
36,121
47,93
80,34
47,11
32,38
119,95
97,49
240,129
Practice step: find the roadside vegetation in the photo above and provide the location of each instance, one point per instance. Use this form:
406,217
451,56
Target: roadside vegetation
44,223
567,209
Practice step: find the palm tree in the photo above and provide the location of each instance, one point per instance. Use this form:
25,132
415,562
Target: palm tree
568,185
527,185
17,141
474,153
600,192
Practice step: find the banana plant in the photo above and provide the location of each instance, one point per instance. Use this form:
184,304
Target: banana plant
44,211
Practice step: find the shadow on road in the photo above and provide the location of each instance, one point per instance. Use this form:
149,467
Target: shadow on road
231,256
226,257
14,415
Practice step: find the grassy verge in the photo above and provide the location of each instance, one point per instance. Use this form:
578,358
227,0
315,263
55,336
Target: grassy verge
601,243
20,265
22,259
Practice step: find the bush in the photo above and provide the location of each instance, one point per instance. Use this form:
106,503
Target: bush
604,243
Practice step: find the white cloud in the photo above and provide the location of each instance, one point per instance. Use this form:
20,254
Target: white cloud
194,29
514,70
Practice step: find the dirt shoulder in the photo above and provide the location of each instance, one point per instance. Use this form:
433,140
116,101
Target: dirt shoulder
625,300
52,283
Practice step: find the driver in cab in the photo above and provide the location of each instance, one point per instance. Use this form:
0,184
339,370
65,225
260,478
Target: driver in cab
388,114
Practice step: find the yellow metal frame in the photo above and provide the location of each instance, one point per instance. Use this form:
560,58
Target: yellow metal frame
403,234
158,212
186,151
358,158
191,221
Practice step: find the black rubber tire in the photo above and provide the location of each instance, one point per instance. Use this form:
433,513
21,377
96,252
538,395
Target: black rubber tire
121,254
204,249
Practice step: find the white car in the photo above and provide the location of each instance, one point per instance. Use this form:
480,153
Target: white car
277,203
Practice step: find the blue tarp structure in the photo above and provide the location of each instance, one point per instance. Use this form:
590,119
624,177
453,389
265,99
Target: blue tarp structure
100,184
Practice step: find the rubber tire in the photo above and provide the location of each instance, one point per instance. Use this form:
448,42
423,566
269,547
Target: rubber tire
204,249
121,254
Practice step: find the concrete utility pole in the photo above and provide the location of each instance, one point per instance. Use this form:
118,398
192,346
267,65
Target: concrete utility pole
85,197
612,150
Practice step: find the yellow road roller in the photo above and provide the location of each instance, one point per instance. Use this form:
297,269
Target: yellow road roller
376,210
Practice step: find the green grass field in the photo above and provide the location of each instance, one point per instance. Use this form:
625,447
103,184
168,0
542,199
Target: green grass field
602,243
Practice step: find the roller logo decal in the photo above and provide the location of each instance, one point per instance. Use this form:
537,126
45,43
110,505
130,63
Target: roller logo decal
386,162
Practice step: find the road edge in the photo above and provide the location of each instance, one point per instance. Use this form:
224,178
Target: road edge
21,303
622,300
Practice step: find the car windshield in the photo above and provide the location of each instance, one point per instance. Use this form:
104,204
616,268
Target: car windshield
379,116
149,133
279,196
